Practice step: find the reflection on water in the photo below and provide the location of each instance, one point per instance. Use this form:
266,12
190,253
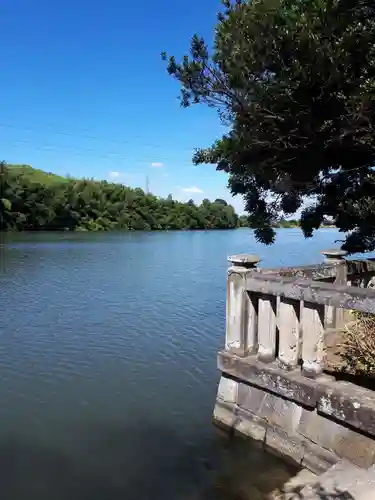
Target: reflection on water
138,462
108,366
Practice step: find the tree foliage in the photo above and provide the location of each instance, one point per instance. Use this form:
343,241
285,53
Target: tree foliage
35,200
294,81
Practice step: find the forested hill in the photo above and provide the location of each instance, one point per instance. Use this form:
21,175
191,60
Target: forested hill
31,199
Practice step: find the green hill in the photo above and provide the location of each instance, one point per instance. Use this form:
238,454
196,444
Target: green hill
35,175
34,200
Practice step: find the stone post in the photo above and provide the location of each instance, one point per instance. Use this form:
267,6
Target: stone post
289,333
267,327
312,339
334,317
241,312
334,255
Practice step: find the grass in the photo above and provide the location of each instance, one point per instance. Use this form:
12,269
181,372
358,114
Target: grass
351,352
358,346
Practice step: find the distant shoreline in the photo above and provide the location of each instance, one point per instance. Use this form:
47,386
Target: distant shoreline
35,200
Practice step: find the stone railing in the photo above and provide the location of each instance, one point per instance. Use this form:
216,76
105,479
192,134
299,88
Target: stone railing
335,269
277,325
284,316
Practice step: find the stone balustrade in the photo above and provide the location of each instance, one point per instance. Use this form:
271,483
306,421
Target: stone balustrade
276,326
335,269
284,318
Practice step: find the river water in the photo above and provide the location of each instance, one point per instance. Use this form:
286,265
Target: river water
108,365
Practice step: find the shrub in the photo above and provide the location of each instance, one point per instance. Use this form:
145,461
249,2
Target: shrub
358,347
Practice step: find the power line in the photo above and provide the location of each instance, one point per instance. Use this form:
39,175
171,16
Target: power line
90,137
112,155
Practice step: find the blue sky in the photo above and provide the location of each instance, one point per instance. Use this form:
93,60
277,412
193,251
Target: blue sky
83,91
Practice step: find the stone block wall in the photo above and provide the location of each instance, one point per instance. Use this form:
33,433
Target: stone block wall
300,434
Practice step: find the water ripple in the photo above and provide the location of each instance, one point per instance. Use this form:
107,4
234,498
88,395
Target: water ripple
108,359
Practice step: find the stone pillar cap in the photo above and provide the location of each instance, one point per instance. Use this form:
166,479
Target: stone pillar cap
244,260
334,253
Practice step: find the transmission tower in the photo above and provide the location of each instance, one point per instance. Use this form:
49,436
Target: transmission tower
147,185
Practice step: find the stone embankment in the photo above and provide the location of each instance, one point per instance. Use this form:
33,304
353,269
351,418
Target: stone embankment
274,389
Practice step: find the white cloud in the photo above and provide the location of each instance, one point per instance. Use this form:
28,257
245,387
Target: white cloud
157,164
192,189
114,175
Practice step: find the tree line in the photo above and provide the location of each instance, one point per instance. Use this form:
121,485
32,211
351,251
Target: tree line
281,222
33,200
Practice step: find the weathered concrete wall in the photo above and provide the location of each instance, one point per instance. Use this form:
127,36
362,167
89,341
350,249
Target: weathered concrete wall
308,438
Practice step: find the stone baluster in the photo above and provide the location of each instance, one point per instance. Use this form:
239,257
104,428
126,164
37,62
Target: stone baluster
267,328
312,322
289,333
334,317
241,311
